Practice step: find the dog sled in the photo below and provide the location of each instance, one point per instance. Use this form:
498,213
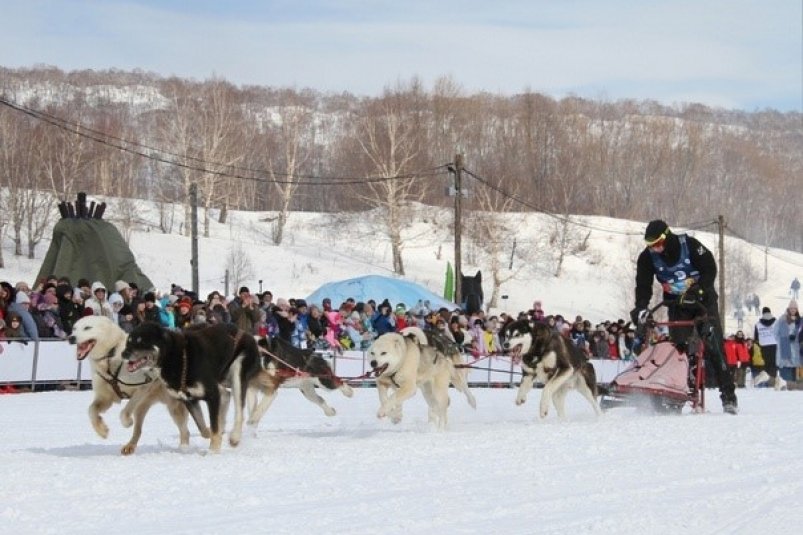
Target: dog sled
667,375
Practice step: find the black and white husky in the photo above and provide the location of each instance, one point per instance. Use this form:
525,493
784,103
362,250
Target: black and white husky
553,360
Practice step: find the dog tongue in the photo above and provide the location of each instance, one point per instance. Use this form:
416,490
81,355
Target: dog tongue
82,349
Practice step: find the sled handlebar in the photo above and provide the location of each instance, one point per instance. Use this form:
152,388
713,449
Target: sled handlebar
649,322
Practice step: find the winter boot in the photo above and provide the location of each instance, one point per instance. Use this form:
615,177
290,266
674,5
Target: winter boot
780,383
761,378
730,405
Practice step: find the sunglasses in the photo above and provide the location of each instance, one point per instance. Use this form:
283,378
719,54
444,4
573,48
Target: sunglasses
657,242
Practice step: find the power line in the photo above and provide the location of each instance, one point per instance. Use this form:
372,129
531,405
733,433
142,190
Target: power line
765,251
126,146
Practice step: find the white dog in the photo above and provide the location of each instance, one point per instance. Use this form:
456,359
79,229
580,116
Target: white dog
103,341
404,362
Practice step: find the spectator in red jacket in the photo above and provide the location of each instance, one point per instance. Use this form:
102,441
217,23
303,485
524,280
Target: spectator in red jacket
738,357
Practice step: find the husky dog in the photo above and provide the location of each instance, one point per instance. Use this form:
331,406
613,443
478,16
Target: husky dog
199,363
280,363
405,361
554,361
100,339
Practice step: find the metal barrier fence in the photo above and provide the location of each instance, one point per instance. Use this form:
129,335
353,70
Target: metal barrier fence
49,364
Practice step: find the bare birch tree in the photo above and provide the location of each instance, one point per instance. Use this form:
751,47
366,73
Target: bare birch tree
292,140
385,136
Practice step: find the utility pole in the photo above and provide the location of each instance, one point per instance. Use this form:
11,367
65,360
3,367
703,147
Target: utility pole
194,217
458,206
721,271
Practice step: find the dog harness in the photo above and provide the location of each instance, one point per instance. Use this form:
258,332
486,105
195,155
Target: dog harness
392,377
113,378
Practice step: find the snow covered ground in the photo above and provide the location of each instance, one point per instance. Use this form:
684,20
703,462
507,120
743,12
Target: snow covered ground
495,470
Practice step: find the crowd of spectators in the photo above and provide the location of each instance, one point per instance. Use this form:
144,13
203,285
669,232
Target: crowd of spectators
51,308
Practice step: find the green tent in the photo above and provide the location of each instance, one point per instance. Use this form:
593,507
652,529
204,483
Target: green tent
92,249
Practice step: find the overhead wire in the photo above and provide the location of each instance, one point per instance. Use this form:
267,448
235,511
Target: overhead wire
564,219
764,250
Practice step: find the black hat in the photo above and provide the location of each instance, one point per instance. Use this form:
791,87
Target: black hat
150,296
300,303
766,310
655,229
244,290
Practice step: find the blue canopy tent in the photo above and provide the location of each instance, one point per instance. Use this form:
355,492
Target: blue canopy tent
378,288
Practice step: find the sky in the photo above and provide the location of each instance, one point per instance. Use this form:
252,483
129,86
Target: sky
741,54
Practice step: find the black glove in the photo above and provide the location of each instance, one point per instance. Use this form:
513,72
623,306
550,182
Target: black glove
638,315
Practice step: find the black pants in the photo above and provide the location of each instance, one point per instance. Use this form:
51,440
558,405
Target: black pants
711,333
768,352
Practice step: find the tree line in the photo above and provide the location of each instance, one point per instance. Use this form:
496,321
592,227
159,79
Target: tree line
139,135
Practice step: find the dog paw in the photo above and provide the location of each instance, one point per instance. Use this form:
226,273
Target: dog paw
128,449
543,413
347,390
329,411
205,433
126,419
381,413
396,418
102,430
520,401
234,440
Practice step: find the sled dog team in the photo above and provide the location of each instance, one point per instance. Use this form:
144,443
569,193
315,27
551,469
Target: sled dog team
219,364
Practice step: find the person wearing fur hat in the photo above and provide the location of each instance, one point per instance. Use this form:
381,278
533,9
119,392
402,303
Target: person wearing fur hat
122,289
686,271
788,330
764,337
